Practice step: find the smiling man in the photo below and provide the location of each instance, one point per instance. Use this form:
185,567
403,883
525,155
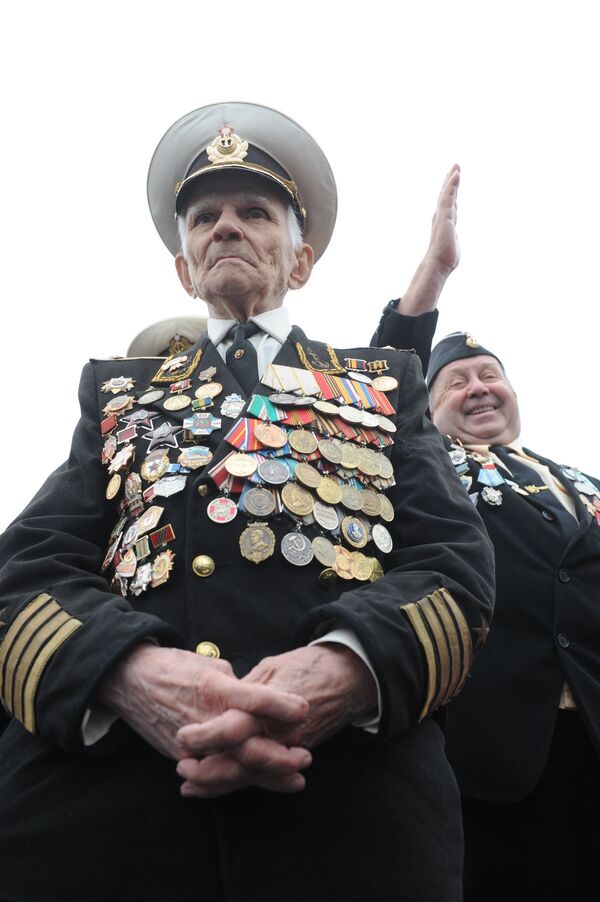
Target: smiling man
231,620
524,735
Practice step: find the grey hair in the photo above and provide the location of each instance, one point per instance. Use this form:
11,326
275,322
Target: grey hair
293,224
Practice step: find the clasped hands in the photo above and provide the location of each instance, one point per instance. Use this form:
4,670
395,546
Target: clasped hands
226,733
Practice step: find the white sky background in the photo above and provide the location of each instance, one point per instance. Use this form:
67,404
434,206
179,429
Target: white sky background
510,91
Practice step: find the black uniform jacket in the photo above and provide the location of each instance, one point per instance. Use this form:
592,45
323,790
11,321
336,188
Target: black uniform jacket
546,630
63,628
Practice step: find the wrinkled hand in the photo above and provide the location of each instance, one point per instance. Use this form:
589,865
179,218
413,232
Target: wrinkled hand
339,689
159,690
443,251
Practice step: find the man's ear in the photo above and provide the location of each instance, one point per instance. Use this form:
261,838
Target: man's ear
305,260
184,274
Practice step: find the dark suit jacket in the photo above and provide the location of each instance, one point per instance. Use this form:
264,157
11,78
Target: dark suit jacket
546,630
53,664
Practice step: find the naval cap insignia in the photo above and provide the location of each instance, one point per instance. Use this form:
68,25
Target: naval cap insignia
227,147
471,341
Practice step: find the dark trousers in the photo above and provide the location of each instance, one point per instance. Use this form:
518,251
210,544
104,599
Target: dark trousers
545,847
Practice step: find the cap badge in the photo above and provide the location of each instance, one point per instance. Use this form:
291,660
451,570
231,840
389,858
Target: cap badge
472,342
227,147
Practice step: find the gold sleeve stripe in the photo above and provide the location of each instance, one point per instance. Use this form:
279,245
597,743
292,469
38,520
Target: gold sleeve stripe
442,644
38,668
11,637
414,615
465,635
453,638
50,610
30,641
444,635
51,626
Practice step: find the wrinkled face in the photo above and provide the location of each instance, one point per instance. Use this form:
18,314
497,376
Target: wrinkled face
238,243
472,400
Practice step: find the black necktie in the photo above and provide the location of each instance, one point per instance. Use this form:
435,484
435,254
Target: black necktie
241,356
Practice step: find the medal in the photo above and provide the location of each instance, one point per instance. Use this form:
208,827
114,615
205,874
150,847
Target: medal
128,564
330,451
170,486
326,516
165,434
361,566
382,538
489,476
232,406
122,459
149,519
329,491
141,580
385,424
207,374
117,384
161,568
297,499
369,462
109,449
386,470
376,570
354,532
297,549
307,475
351,498
302,441
202,423
155,465
142,418
195,457
385,383
113,486
372,505
116,405
350,456
108,424
283,399
324,551
150,397
177,402
210,390
270,435
343,562
491,496
259,502
257,542
327,408
350,414
133,494
239,464
222,510
274,472
178,387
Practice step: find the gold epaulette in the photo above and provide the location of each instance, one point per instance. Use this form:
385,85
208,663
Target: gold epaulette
445,639
30,642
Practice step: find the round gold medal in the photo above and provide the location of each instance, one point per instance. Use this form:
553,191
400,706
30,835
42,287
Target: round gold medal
352,498
343,562
177,402
350,456
386,424
210,390
361,566
257,542
114,484
303,441
371,503
376,570
324,551
240,464
297,499
270,435
327,408
329,491
385,383
308,475
386,470
387,511
369,462
330,451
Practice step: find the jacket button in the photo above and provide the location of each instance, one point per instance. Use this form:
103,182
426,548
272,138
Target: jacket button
547,515
202,490
563,640
563,576
208,650
203,565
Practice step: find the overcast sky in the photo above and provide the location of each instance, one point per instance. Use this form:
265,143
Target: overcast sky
509,91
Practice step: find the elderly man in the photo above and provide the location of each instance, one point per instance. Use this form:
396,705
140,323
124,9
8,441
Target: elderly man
273,582
524,736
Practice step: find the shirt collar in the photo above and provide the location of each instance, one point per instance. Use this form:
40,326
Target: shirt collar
275,323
